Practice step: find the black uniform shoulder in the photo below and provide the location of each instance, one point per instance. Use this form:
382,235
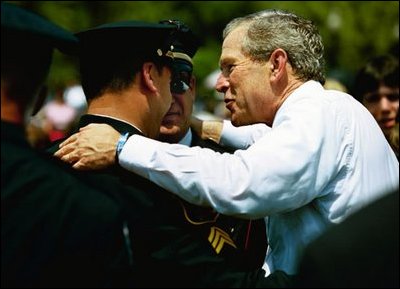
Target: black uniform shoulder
68,232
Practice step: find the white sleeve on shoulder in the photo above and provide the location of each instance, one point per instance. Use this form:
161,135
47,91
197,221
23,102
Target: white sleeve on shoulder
242,137
275,174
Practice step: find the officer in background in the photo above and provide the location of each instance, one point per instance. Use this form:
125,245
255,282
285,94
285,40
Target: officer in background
57,230
128,85
248,236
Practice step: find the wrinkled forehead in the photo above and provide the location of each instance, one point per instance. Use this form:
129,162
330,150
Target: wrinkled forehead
232,46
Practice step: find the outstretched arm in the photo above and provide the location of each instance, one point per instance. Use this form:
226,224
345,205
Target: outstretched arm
261,180
94,146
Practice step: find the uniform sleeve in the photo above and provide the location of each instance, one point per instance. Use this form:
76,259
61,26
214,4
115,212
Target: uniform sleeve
282,171
242,137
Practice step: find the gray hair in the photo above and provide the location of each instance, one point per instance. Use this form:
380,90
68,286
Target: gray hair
271,29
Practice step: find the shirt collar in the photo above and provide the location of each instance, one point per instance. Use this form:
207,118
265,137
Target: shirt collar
187,139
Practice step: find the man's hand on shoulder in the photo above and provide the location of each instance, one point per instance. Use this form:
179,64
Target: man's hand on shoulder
93,147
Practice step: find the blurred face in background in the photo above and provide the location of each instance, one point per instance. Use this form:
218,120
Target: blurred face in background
176,122
383,105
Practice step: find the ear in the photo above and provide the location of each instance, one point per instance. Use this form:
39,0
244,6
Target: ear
277,63
147,76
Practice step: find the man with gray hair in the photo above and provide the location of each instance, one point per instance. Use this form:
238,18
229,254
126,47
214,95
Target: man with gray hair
323,158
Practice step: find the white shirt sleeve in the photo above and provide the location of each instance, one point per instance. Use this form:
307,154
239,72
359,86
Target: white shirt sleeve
275,174
241,137
322,145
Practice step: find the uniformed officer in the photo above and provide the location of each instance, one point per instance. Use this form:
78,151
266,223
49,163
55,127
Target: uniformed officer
248,236
57,230
128,83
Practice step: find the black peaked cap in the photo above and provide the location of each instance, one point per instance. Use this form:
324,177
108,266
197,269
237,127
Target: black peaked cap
134,37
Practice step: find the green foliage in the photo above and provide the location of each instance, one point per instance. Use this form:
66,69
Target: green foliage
352,31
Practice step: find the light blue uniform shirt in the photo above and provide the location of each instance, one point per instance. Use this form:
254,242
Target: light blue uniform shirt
324,158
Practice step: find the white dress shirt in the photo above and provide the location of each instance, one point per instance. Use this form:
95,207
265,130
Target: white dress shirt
243,136
324,158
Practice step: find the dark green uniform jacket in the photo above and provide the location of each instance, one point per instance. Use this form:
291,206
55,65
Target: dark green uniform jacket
171,247
249,236
56,230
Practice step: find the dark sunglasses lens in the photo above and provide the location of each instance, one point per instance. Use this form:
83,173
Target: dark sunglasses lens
179,86
181,75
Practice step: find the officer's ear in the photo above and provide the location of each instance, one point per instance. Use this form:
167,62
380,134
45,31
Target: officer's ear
148,70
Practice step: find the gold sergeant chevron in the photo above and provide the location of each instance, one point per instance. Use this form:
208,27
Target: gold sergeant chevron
218,238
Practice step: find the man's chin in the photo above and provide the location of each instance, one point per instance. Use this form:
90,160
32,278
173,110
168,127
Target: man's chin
236,121
169,129
169,134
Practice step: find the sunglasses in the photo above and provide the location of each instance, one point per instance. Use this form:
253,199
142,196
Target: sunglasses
181,76
181,69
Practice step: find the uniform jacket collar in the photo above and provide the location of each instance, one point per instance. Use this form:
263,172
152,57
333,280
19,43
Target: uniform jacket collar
120,125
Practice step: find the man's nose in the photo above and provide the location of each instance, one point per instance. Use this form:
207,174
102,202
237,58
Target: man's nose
222,84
